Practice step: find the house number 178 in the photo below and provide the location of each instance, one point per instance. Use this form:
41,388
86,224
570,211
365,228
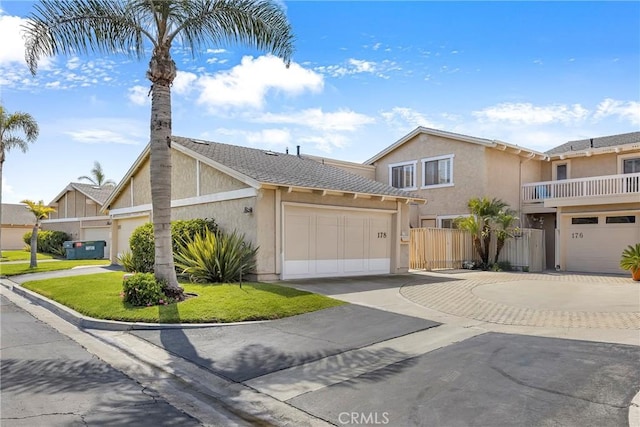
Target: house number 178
382,235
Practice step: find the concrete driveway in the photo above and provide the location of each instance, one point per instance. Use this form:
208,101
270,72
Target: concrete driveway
576,306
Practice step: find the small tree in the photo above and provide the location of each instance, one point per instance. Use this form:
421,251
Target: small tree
40,211
504,220
9,125
98,178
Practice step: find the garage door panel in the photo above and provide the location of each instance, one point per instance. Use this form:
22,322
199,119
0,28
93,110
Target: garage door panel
125,227
596,248
339,243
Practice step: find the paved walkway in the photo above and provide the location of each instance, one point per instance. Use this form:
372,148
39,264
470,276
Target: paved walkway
541,300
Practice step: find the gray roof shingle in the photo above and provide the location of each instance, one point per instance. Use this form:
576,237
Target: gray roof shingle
17,214
288,170
99,194
601,142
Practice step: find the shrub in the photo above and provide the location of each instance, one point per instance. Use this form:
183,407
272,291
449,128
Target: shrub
502,266
125,259
142,246
216,257
49,241
142,289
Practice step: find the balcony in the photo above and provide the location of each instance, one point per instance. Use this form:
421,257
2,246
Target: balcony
595,190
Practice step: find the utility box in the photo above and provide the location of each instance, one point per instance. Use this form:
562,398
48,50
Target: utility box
85,249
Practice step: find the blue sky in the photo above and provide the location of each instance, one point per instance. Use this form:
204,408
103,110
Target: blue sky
363,75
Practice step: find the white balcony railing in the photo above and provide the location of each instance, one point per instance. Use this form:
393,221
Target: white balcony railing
596,186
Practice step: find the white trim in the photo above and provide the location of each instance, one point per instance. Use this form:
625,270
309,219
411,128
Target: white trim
197,177
84,218
433,159
594,213
243,193
439,218
131,191
413,163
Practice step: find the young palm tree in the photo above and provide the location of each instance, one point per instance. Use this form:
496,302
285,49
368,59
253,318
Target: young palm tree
10,125
484,212
98,178
40,211
505,220
130,27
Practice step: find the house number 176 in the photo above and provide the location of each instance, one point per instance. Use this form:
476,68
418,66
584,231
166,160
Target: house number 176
382,235
577,235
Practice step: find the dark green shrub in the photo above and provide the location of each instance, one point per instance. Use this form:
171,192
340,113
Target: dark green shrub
49,241
125,259
142,289
502,266
216,257
142,246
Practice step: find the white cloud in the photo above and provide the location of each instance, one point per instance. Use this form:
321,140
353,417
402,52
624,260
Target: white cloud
315,118
216,51
12,42
627,110
247,84
100,136
139,95
107,131
184,82
326,142
405,119
359,66
263,138
527,113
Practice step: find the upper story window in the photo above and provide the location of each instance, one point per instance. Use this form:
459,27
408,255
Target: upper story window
561,170
631,165
437,171
403,175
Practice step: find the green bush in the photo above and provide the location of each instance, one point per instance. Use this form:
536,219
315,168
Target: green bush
216,257
142,289
49,241
142,246
502,266
125,259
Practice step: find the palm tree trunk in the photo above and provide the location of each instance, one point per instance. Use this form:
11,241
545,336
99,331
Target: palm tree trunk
499,246
161,73
33,263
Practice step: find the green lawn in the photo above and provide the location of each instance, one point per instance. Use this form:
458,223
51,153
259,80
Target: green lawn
21,256
98,296
23,268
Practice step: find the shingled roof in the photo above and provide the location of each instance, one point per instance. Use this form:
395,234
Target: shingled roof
13,214
268,167
97,194
600,142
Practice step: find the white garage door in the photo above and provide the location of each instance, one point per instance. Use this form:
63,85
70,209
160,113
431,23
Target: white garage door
320,242
98,233
124,228
594,243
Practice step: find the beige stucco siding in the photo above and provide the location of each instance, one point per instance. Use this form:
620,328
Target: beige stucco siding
604,164
504,177
71,228
124,198
267,228
142,185
469,173
184,179
213,181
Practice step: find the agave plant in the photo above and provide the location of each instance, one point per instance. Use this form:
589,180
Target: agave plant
216,257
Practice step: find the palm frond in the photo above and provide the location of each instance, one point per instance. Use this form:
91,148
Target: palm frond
82,27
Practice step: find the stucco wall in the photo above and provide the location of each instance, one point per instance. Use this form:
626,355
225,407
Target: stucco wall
604,164
71,228
504,176
184,179
74,204
469,172
213,181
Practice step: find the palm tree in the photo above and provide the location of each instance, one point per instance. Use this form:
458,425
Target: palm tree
40,211
484,212
9,139
129,27
505,220
98,178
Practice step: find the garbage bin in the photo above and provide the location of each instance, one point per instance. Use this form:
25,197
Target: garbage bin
85,249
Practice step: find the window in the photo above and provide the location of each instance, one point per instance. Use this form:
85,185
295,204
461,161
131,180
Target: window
403,175
437,171
447,223
624,219
631,165
561,172
585,220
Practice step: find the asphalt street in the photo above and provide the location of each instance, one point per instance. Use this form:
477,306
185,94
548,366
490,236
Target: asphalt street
47,379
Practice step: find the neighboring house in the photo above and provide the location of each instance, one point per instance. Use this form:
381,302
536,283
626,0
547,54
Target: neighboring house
78,213
16,222
588,201
448,169
584,194
308,217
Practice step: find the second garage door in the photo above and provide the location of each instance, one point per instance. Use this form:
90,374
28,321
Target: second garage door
321,242
594,243
125,227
